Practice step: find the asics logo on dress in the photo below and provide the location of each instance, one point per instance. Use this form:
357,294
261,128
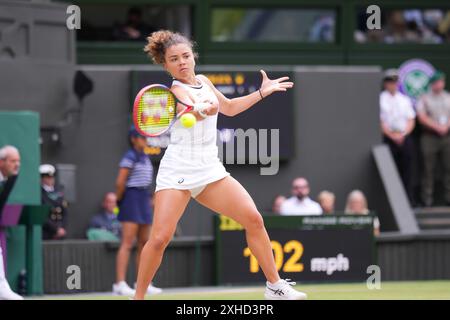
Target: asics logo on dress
278,292
181,181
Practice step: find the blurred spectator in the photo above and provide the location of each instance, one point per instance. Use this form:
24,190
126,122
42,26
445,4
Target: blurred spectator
426,23
107,219
443,27
134,29
399,30
9,170
357,204
323,29
403,26
55,227
326,201
277,202
433,110
397,122
300,203
135,213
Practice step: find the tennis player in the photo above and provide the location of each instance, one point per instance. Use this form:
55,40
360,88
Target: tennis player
191,167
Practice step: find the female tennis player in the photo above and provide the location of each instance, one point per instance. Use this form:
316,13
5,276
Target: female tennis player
191,167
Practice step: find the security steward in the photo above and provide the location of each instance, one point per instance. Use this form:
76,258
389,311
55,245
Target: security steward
54,228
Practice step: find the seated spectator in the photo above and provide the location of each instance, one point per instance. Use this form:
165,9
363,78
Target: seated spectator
54,228
107,219
399,30
357,204
134,29
402,26
443,27
277,202
397,119
326,201
300,203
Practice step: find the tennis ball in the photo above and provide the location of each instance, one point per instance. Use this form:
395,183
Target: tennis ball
188,120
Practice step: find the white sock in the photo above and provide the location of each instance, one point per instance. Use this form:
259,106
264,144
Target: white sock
275,283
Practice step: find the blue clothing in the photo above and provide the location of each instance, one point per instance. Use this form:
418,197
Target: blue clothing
141,169
106,221
135,206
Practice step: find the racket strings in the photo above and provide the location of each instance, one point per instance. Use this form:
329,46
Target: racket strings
156,110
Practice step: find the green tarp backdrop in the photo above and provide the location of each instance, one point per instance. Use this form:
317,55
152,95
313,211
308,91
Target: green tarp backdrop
21,129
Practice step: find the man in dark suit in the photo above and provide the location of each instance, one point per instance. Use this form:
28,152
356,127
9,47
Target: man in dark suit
9,170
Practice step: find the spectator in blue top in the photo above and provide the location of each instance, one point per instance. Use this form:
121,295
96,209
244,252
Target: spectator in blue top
107,219
133,194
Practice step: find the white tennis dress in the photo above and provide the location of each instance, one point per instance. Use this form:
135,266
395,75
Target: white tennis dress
191,160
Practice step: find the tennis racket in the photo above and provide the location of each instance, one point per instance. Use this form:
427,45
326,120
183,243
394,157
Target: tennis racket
155,110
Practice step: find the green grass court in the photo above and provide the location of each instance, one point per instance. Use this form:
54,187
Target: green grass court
417,290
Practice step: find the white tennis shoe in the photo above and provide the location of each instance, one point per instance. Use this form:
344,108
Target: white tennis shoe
283,290
152,289
5,291
122,289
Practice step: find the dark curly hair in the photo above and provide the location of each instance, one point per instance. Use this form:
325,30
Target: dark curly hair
159,41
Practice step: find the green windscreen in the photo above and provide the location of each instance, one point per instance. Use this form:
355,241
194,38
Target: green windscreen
21,130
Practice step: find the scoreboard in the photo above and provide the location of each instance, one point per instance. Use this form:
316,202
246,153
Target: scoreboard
269,121
305,248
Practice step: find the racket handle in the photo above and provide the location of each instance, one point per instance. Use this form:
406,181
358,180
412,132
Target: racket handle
200,106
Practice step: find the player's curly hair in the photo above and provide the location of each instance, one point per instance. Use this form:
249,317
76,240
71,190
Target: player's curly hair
159,41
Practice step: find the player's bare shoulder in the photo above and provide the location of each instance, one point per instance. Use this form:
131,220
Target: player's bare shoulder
177,90
208,82
205,79
182,94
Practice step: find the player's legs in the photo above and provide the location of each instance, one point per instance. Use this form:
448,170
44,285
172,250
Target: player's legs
228,197
142,238
129,233
5,291
430,149
169,207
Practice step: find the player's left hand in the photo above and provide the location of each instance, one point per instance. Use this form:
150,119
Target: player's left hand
269,86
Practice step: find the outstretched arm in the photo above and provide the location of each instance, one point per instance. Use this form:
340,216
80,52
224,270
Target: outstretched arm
232,107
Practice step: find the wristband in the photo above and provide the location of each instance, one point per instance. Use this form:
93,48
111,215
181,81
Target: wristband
259,90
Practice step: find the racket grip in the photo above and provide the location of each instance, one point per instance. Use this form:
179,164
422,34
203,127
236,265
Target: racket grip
200,106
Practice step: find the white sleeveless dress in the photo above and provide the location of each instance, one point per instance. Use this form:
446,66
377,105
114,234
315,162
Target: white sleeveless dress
191,160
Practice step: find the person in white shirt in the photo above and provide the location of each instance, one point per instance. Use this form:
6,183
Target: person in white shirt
397,117
300,203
